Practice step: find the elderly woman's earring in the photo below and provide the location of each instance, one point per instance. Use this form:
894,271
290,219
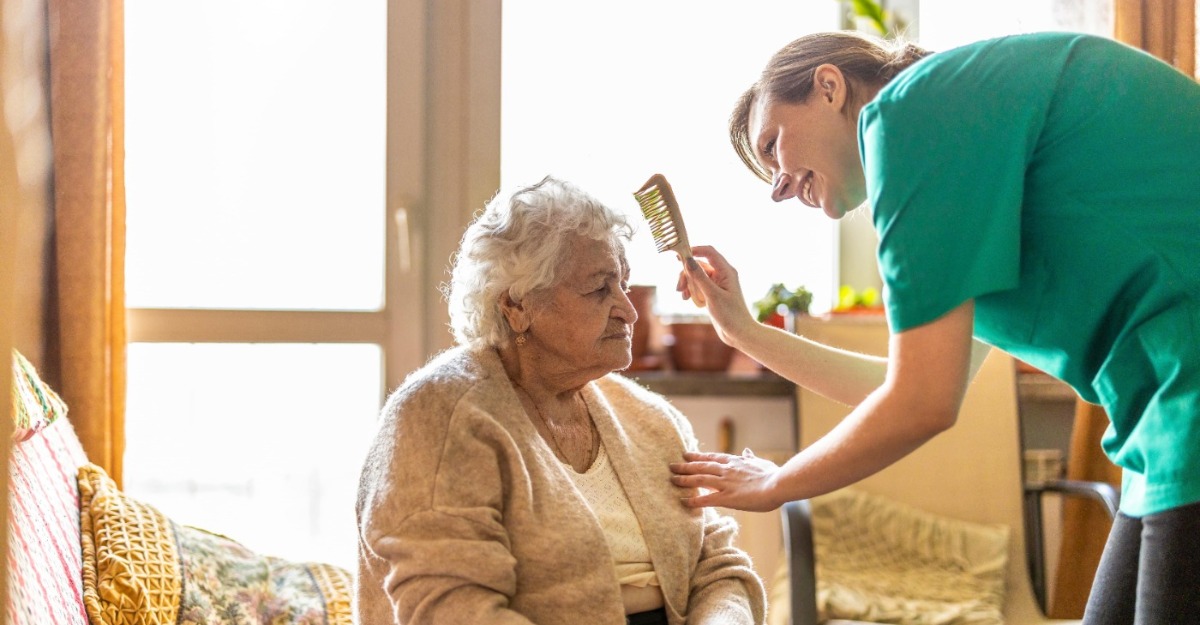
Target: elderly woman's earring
521,339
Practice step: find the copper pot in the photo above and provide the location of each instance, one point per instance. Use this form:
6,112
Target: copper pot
695,346
642,297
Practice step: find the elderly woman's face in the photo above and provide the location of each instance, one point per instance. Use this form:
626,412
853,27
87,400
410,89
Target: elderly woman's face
585,322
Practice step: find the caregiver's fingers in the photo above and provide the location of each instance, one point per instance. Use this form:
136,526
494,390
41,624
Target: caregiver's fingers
709,255
682,469
708,456
683,282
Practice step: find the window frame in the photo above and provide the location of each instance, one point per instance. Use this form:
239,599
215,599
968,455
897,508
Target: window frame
442,71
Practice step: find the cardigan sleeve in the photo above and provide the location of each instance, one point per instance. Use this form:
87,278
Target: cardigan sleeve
449,567
430,515
725,589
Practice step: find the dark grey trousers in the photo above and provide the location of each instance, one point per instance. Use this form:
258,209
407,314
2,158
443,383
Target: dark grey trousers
1150,571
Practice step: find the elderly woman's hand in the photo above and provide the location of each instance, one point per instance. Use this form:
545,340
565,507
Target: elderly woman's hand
718,280
744,482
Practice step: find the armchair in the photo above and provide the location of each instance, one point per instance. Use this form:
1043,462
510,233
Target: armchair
972,473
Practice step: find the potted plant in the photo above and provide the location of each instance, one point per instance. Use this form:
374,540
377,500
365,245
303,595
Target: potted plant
780,303
871,16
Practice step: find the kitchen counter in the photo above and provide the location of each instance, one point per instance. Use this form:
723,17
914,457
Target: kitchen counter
1033,386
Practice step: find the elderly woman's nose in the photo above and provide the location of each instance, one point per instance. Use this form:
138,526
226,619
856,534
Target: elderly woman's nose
626,309
783,188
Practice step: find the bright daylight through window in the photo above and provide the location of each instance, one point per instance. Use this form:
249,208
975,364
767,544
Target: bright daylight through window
255,176
606,94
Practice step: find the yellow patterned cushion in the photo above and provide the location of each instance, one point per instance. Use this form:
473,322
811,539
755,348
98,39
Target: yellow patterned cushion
131,569
141,567
336,585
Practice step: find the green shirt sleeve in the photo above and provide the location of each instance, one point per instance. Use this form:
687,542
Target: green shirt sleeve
944,153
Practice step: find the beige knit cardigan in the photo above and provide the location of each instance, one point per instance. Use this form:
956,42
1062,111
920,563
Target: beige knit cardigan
465,515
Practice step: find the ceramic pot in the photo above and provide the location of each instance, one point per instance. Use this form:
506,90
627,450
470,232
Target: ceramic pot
642,297
695,346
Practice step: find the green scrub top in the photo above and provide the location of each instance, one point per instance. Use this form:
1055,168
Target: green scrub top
1055,179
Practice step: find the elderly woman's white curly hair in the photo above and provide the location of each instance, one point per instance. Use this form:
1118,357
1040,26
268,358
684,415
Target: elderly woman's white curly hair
516,244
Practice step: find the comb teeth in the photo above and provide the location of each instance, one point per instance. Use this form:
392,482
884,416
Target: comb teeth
661,211
662,228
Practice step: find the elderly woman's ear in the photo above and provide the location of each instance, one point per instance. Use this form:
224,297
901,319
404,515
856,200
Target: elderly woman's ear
515,312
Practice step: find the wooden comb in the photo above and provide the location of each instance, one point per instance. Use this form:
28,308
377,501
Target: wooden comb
661,211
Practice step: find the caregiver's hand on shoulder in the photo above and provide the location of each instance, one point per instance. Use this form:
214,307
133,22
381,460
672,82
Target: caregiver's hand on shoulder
744,482
718,280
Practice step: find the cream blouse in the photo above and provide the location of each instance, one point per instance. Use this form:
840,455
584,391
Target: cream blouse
610,504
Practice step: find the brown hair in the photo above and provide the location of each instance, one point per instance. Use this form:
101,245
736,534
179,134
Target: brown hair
788,77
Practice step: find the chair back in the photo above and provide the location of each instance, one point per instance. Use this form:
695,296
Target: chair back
971,472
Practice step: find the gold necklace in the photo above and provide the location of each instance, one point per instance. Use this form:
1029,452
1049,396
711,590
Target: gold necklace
557,447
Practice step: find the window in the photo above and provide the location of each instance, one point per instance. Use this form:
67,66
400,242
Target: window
255,162
948,23
606,94
261,442
250,130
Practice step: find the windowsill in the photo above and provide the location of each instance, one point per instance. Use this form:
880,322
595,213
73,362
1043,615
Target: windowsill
724,383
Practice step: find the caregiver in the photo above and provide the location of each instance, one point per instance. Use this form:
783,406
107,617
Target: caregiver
1038,193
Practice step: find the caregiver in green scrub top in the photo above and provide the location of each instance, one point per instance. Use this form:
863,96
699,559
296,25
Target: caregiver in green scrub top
1037,193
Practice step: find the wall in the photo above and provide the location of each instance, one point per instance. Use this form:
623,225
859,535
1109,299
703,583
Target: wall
8,183
24,156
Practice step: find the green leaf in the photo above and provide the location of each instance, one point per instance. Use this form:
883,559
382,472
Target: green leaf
873,11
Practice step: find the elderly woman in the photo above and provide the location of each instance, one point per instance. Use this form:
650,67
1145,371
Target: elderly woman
516,478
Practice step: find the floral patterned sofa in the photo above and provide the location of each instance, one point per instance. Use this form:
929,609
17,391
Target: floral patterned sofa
81,551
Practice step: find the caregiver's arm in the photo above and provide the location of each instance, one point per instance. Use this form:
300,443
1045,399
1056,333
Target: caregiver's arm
841,375
927,374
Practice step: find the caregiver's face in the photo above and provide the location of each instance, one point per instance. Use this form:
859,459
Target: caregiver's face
811,149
